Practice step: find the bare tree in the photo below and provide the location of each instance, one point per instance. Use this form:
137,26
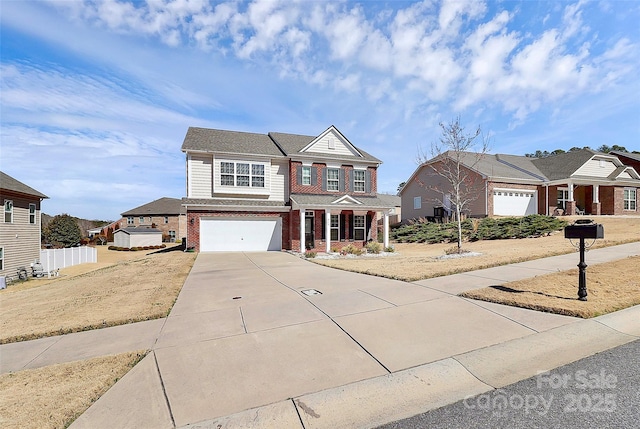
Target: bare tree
454,158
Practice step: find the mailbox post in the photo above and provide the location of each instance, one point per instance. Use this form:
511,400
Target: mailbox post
582,229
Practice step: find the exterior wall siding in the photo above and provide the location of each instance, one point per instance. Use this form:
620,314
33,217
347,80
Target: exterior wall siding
322,146
596,168
200,175
20,239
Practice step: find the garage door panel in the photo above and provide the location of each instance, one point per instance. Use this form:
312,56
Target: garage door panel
515,202
240,235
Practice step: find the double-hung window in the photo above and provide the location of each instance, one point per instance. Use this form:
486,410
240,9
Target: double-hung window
32,214
630,199
333,181
335,227
141,219
166,219
306,175
359,227
242,174
8,211
358,180
563,197
129,220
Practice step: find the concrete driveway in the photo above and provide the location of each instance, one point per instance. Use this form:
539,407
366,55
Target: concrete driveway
275,340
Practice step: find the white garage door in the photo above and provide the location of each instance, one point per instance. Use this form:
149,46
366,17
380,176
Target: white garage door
514,202
240,235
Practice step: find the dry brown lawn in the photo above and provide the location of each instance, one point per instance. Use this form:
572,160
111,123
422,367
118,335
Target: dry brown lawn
55,395
420,261
610,287
124,287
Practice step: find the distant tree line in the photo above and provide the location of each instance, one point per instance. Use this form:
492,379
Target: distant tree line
604,149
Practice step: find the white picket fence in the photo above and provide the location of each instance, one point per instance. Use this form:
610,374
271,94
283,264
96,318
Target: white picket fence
53,259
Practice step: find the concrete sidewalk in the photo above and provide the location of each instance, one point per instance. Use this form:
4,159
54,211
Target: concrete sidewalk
246,345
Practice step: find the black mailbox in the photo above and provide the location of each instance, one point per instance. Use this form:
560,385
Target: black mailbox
584,230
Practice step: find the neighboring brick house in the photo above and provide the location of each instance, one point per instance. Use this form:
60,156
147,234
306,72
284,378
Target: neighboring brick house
581,181
21,225
277,191
166,214
628,158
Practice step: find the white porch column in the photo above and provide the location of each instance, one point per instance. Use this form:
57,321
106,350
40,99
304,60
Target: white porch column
385,229
302,240
327,229
570,191
596,193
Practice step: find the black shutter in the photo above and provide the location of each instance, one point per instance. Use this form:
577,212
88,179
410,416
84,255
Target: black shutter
351,226
367,181
314,175
324,178
341,180
324,224
351,179
299,175
343,227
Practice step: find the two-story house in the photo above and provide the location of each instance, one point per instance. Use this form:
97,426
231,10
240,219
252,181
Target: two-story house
277,191
20,228
166,214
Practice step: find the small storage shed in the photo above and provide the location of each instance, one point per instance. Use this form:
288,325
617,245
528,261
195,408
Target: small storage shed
137,237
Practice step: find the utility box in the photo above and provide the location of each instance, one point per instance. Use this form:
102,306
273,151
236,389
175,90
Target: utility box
584,230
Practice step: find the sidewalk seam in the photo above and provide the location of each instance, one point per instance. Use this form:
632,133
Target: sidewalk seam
26,366
164,390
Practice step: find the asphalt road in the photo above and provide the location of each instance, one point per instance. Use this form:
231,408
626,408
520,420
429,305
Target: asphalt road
601,391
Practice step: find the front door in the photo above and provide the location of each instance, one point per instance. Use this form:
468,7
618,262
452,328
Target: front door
309,237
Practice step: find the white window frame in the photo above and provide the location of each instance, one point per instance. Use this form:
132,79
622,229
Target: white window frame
166,219
130,220
417,203
243,174
629,201
359,178
333,183
359,225
8,210
306,175
172,234
1,258
141,220
32,213
334,227
562,202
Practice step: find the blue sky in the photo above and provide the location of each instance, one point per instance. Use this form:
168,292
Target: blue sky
96,96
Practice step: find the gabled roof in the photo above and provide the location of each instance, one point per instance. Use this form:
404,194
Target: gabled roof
163,206
563,165
338,201
10,184
634,156
233,142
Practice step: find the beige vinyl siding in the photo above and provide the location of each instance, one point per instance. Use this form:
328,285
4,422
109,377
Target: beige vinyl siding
20,239
279,182
200,173
625,175
340,147
596,168
219,190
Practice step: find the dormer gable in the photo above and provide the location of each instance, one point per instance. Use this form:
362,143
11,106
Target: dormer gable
332,142
346,199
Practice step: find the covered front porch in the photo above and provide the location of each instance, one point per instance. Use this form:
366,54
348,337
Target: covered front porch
329,223
578,198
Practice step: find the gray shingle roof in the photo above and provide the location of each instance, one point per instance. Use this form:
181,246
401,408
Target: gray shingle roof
634,156
162,206
561,166
10,184
503,166
292,144
210,140
131,230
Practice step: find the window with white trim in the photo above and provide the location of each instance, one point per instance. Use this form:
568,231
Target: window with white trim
630,199
417,203
32,214
242,174
141,220
563,198
335,228
358,180
8,211
306,175
359,227
333,181
166,219
129,220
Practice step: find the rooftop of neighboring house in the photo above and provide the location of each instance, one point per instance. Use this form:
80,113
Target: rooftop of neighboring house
13,185
164,206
